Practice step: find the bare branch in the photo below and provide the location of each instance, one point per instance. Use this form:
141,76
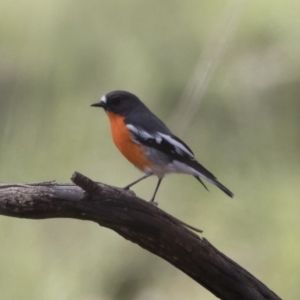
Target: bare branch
140,222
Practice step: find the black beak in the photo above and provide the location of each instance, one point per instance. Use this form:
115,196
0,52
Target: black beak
99,104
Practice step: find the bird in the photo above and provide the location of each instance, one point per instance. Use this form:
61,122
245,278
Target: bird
148,143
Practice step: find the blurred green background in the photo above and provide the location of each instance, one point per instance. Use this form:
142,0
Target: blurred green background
58,57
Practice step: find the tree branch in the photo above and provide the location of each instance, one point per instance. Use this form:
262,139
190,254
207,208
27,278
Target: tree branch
140,222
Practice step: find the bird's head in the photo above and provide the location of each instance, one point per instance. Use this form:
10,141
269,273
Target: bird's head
118,102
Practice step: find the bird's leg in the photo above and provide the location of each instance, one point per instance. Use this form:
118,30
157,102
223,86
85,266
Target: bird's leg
127,187
156,189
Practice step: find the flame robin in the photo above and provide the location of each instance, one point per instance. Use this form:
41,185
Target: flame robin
148,143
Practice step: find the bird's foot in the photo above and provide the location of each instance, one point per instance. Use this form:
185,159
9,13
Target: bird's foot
129,192
153,203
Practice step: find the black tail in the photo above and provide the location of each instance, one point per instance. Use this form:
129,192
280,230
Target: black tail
199,179
204,173
223,188
218,184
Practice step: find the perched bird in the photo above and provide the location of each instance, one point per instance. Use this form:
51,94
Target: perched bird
148,143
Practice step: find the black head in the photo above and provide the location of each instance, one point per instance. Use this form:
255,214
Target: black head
118,102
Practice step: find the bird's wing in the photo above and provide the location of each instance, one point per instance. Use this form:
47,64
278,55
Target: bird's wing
177,150
166,143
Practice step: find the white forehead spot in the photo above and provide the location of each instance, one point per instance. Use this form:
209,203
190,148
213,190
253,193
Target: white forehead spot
103,99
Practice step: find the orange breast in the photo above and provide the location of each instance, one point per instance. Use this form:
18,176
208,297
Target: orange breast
122,139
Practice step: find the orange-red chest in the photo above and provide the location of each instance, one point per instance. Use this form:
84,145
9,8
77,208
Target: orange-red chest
122,139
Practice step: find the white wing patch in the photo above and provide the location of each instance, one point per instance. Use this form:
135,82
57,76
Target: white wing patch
159,137
178,146
142,133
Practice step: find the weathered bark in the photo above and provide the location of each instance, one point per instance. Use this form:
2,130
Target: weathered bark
139,222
